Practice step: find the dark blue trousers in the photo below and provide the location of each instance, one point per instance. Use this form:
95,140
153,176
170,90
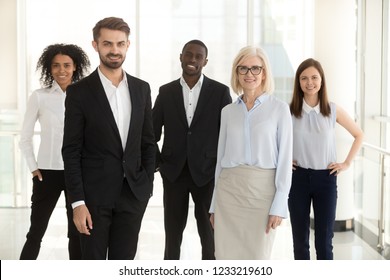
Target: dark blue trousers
320,188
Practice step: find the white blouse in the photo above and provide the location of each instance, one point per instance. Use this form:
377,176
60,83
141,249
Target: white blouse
46,106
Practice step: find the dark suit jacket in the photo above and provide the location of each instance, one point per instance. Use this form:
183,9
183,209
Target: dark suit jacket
94,160
196,144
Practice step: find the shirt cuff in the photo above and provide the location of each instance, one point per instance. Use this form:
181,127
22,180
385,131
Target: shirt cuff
32,164
77,203
279,205
212,205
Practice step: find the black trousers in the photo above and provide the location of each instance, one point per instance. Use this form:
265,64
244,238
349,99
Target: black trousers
115,229
176,199
43,201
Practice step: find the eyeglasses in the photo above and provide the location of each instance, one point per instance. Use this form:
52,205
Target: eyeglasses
255,70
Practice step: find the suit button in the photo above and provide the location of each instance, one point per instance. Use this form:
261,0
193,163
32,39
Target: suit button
123,161
189,132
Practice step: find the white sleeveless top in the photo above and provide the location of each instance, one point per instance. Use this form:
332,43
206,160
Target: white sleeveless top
314,144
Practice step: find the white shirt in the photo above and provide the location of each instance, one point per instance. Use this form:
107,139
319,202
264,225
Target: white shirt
191,97
261,137
120,103
46,106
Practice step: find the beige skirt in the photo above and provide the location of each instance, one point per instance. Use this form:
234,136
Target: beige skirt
244,195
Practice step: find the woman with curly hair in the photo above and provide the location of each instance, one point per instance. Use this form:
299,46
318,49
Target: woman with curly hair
60,65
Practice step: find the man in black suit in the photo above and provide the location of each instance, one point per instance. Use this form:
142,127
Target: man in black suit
109,149
189,111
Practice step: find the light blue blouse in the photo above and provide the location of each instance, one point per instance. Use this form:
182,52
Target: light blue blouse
314,144
260,137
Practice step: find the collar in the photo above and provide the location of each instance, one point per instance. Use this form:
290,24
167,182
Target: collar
259,100
308,109
55,87
106,81
198,83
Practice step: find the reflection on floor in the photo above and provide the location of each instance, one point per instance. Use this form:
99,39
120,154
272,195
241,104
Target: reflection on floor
15,222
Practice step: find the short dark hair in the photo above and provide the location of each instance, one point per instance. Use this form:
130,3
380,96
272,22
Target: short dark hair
79,57
196,42
112,23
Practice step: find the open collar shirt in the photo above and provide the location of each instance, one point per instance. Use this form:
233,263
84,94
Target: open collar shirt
120,103
191,97
260,137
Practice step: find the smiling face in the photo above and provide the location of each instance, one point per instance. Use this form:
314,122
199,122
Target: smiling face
250,82
112,47
310,82
62,68
193,59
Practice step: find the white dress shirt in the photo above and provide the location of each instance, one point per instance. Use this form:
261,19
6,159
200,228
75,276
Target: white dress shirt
120,103
191,97
45,105
261,137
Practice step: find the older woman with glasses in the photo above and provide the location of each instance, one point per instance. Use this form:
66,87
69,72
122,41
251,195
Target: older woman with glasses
253,172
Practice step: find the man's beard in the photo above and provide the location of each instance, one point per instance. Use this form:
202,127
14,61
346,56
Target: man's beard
110,64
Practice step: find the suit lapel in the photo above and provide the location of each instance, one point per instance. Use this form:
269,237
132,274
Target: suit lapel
105,107
203,100
135,105
177,92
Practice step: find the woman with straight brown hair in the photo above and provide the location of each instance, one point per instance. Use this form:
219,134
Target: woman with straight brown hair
315,165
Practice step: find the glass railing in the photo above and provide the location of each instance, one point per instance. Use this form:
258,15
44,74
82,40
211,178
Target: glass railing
372,197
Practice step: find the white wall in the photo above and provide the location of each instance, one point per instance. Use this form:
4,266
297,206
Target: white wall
335,48
8,55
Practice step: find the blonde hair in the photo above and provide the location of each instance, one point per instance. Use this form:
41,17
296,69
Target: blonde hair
243,54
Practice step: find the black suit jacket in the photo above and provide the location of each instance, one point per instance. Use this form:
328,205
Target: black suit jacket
196,144
95,163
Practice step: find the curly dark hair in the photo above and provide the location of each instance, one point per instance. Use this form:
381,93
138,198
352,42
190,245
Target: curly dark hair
79,57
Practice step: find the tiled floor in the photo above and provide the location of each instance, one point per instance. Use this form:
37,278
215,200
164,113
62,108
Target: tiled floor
14,224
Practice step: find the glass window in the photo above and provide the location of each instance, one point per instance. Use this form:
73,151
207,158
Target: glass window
159,29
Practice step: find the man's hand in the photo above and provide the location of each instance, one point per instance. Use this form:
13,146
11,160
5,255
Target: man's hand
212,219
82,219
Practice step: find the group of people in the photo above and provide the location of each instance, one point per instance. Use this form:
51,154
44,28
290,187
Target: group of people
247,165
